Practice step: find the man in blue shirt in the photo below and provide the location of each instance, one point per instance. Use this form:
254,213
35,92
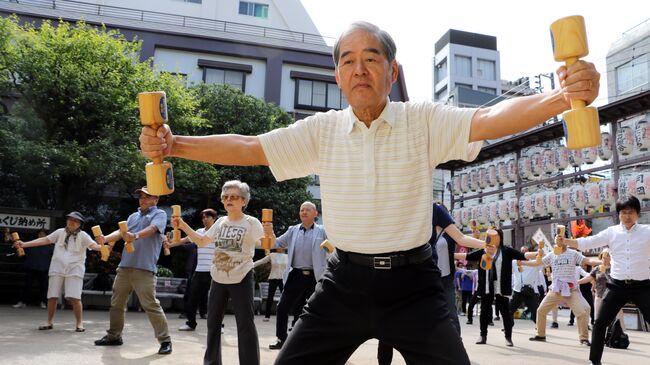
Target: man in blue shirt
306,263
137,271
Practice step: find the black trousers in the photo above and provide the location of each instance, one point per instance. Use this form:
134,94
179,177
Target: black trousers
298,287
274,284
31,277
470,307
617,295
501,305
404,307
200,286
527,296
465,297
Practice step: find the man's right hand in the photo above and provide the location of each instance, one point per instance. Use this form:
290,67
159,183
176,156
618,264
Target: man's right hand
156,143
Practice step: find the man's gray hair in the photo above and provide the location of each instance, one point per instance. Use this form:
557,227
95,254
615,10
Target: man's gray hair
244,189
387,42
310,204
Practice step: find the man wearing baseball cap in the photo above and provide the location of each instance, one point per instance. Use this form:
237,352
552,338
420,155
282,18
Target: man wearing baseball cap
137,271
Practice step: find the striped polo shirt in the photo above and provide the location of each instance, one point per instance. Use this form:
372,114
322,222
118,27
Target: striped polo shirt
204,255
377,182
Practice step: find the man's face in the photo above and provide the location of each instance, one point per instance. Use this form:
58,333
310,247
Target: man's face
307,214
363,73
147,201
628,217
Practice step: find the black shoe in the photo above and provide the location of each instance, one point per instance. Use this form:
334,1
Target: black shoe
497,318
595,363
570,323
105,341
469,321
165,348
491,323
555,325
509,342
277,345
585,342
538,338
482,340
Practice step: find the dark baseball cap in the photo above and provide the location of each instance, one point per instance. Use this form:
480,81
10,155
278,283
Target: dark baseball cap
76,215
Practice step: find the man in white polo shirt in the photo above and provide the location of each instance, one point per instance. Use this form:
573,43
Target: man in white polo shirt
375,160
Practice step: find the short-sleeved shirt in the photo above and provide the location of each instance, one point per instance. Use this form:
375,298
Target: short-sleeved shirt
600,281
235,243
69,258
377,176
147,249
204,255
440,241
564,265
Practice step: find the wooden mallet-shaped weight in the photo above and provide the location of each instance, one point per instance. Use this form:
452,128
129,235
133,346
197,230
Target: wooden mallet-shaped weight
19,250
267,217
104,250
124,228
557,250
491,240
327,246
153,113
581,124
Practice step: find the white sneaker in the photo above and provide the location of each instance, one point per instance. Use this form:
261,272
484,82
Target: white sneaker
43,305
19,305
185,327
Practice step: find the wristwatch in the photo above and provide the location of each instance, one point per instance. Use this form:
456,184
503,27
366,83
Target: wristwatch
137,236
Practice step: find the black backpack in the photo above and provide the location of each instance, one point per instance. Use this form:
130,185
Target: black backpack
615,337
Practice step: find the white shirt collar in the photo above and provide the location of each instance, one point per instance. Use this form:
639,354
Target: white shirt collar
387,115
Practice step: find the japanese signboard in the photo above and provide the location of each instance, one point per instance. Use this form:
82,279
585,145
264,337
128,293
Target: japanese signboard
24,221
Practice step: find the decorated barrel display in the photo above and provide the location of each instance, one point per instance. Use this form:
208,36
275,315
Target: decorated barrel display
473,180
605,147
526,206
590,155
482,214
563,200
562,157
458,216
607,189
464,182
502,210
492,175
455,185
465,216
643,185
513,208
525,168
577,197
537,164
593,198
549,161
642,136
551,200
493,212
631,184
482,178
625,140
575,158
540,204
512,170
502,172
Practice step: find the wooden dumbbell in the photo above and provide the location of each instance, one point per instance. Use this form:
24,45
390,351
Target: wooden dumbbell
557,250
19,250
267,217
104,250
153,113
327,246
581,124
124,228
492,239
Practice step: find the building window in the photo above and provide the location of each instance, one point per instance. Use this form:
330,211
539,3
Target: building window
486,70
463,86
194,1
181,76
317,92
632,75
441,95
254,9
489,90
225,73
441,70
463,66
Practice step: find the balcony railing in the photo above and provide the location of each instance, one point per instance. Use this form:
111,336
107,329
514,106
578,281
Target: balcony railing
175,20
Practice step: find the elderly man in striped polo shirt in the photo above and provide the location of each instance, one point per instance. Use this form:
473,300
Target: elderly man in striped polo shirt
375,160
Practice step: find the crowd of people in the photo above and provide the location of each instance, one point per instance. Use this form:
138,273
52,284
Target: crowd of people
392,273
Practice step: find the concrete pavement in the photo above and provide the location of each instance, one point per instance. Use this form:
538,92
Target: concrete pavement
21,342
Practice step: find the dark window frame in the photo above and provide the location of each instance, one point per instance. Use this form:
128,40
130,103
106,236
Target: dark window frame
298,76
225,66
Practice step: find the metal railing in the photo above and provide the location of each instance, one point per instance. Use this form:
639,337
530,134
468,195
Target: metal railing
175,20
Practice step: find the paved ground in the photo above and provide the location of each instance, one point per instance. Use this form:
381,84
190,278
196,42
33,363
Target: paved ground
21,343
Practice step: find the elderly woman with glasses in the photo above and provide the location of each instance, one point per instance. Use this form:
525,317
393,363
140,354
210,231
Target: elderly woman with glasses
236,236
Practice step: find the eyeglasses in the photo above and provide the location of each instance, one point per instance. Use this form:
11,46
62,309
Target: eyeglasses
230,197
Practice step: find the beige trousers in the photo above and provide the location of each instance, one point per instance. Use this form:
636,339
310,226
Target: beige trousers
144,284
576,302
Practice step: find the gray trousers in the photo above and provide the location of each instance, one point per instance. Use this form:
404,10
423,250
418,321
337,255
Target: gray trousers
242,303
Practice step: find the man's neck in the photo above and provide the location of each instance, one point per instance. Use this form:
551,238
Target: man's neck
307,225
369,114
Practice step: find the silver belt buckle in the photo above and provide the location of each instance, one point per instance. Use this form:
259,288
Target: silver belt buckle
382,262
306,272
